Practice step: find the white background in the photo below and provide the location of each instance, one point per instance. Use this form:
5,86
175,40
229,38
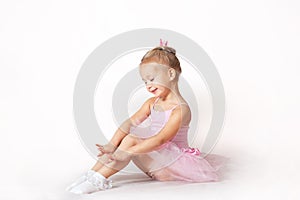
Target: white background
254,45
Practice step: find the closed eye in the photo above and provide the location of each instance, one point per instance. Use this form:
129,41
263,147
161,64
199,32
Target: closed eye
152,79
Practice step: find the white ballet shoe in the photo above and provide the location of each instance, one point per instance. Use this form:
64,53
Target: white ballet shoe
81,179
94,183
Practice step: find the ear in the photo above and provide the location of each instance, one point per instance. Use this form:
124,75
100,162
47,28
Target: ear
172,73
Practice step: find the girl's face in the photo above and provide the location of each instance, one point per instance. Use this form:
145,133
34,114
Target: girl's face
156,77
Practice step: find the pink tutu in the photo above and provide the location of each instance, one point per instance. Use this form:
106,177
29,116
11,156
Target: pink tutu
175,160
171,163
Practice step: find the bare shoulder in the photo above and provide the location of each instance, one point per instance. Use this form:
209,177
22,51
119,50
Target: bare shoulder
150,101
142,113
146,107
184,111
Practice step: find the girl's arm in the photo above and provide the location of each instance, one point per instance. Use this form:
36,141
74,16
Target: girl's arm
134,120
167,132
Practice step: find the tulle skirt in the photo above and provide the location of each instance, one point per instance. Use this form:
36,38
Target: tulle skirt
172,163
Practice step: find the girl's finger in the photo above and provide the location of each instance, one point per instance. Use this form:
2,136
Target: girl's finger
100,149
101,153
111,159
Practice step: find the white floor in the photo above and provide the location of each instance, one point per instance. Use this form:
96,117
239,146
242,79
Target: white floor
248,176
254,45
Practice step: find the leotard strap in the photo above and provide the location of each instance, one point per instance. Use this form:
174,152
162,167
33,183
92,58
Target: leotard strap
171,108
177,105
155,102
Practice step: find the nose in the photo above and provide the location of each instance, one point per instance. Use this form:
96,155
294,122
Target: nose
148,85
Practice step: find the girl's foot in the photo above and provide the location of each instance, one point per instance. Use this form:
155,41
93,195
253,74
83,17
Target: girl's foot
94,183
81,179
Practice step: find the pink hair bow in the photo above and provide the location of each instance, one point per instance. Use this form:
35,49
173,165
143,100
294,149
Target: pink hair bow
161,43
193,151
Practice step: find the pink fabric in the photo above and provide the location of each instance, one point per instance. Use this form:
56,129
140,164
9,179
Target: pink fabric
175,160
192,151
161,43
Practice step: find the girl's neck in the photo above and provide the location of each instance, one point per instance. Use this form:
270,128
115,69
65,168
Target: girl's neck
172,96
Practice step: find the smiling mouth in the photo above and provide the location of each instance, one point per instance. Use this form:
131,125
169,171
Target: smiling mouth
153,90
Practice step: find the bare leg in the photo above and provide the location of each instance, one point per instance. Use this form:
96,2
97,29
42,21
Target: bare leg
109,169
100,163
143,162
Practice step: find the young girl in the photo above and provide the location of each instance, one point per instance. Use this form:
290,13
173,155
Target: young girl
160,150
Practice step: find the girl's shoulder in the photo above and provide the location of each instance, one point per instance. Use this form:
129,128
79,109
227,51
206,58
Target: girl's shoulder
152,101
183,109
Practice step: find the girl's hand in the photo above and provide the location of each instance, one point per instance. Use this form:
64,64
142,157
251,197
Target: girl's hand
119,155
105,149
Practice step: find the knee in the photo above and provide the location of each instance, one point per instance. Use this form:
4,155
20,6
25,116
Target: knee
121,155
130,139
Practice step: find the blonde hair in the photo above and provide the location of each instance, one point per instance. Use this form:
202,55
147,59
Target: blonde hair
163,55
